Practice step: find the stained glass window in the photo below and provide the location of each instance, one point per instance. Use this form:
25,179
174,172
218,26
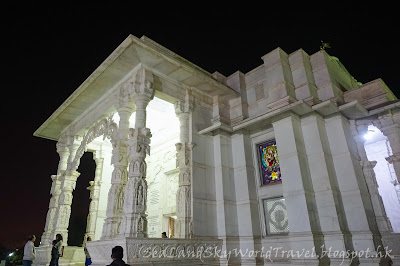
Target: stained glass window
276,219
269,163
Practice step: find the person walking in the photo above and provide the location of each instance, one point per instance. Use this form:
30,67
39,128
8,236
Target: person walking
29,251
88,260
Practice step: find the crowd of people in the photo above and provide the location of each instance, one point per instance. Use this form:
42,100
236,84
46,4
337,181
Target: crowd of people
57,251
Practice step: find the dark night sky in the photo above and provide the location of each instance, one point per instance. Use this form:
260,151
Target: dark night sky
48,51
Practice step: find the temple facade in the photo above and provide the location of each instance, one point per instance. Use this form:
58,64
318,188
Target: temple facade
294,162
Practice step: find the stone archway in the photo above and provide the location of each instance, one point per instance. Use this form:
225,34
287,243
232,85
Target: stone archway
378,148
71,149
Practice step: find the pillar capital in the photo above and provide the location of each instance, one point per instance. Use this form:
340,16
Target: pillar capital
69,180
138,143
137,88
142,86
73,140
183,109
61,147
185,105
368,164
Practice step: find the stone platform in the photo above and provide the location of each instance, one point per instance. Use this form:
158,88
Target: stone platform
72,256
167,251
141,251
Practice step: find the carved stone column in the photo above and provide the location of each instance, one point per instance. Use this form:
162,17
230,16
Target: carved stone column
94,196
184,223
382,220
389,124
119,177
67,180
55,192
134,223
68,184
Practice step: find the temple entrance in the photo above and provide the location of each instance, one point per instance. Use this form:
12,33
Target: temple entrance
162,172
162,176
378,149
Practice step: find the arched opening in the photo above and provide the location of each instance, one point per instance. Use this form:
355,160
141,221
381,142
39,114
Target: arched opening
377,147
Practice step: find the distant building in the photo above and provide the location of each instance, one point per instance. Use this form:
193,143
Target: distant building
275,160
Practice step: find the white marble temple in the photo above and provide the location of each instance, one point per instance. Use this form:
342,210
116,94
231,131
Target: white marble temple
177,149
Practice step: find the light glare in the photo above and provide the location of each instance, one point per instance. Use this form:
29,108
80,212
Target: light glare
369,134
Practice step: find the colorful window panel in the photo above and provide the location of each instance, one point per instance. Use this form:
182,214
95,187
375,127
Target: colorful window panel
269,163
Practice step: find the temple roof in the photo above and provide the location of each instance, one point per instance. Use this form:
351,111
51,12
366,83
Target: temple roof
131,52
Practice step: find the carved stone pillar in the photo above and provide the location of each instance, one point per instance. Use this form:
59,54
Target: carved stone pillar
382,220
134,223
55,192
68,184
389,124
119,177
94,196
67,180
184,223
94,188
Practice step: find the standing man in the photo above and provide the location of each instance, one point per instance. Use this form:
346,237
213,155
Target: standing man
29,251
164,235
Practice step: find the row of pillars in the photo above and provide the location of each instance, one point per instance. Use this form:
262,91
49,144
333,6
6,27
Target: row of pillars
127,197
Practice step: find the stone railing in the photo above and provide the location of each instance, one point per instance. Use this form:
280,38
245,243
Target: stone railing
167,251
